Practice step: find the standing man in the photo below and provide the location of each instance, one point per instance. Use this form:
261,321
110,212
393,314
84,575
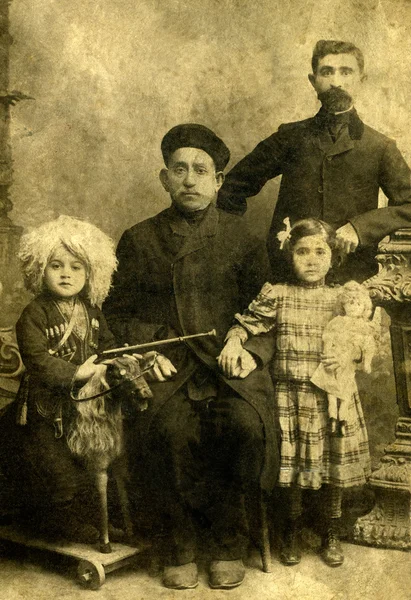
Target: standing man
189,269
332,168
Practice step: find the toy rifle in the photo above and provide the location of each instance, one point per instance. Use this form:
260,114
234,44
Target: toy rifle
138,348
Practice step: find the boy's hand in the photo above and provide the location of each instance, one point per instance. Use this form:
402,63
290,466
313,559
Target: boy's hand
88,369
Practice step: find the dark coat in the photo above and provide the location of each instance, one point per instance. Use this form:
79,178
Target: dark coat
35,456
337,182
175,279
51,377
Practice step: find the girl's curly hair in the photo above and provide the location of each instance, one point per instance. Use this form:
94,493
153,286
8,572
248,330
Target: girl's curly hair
84,240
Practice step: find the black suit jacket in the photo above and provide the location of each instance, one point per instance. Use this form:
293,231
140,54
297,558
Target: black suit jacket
337,182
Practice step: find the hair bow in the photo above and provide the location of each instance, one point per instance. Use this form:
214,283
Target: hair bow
284,235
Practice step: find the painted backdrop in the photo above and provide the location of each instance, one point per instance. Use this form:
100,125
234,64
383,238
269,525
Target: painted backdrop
109,78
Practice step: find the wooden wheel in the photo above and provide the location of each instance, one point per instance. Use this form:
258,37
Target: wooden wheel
90,574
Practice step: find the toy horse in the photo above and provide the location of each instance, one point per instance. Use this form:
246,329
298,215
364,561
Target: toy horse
95,433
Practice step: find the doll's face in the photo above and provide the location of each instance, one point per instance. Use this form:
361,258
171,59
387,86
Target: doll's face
65,275
354,307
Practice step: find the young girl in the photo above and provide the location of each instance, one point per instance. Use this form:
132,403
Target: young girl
67,264
311,458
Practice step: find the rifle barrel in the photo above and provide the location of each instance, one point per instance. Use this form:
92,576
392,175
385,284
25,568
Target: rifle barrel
149,345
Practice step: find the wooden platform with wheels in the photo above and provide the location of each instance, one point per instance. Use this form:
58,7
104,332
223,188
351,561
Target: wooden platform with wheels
92,564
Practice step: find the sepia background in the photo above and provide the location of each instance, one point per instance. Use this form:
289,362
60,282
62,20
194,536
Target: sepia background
109,78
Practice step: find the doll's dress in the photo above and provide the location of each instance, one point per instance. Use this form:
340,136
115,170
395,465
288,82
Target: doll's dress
344,336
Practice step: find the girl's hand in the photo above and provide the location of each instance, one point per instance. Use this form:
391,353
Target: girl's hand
88,369
234,361
331,363
334,363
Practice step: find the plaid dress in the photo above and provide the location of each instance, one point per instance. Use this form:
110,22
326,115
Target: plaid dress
310,454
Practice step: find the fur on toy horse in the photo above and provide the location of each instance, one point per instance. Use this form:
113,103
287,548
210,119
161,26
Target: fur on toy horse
96,434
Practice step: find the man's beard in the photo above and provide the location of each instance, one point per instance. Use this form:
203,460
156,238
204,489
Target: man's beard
335,100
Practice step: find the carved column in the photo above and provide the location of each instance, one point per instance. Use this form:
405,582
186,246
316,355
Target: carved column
389,523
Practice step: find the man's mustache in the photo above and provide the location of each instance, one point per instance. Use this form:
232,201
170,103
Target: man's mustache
335,99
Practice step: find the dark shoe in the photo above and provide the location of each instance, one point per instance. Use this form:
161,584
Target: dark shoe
226,574
290,554
331,551
181,577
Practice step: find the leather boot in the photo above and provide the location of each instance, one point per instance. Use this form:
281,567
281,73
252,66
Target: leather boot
290,554
181,577
331,551
226,574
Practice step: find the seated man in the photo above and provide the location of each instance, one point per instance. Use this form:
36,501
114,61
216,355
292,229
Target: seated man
187,270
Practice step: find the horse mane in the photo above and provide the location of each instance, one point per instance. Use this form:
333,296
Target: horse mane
94,433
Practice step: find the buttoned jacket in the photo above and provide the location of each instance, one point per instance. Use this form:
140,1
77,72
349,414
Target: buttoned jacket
49,376
175,280
336,182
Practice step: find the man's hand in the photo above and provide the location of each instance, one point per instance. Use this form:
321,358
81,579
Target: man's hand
246,365
347,239
234,361
162,368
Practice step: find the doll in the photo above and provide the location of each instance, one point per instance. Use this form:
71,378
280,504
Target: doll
350,335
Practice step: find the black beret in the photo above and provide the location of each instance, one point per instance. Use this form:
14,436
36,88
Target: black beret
192,135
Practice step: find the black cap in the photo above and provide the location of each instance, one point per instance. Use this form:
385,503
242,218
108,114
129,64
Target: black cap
192,135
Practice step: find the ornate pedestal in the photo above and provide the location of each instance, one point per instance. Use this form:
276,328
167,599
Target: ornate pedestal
389,523
11,365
